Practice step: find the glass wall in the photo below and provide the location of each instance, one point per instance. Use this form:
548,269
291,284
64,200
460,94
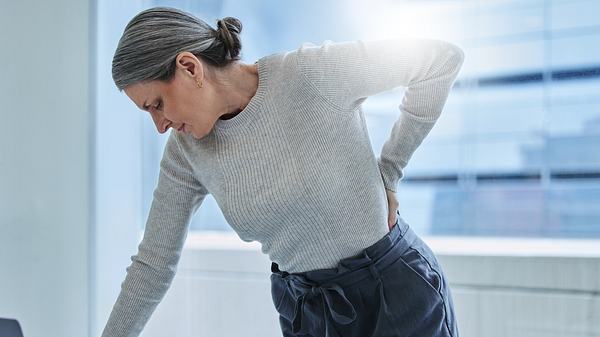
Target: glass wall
516,151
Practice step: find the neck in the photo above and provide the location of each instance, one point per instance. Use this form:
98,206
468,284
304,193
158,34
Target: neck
244,84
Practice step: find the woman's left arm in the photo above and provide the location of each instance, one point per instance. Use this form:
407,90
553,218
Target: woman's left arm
346,73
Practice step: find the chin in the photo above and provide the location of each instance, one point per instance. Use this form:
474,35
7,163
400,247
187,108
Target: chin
195,136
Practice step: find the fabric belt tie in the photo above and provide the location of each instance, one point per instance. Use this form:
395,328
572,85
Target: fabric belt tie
332,297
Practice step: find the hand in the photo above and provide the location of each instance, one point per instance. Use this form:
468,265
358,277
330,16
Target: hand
392,207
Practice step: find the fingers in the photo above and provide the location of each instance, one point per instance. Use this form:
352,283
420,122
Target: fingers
391,220
392,208
393,217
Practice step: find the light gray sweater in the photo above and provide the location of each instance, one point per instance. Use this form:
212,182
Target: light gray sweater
295,169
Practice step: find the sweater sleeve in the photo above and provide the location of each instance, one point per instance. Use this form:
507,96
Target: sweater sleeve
176,198
346,73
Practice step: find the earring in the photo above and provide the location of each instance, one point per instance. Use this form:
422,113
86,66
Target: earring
199,83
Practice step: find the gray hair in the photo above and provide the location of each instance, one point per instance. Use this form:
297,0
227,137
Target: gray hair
153,38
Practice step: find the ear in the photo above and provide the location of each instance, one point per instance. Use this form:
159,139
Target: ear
190,65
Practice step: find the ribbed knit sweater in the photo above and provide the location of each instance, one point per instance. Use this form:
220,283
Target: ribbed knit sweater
295,169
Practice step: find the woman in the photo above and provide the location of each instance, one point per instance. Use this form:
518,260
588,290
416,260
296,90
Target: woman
282,146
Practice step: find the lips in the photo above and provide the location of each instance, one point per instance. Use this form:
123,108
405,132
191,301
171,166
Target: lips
181,127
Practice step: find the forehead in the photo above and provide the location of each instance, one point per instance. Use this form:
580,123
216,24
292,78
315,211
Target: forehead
144,92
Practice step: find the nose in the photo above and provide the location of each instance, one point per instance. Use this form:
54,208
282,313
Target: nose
162,124
165,127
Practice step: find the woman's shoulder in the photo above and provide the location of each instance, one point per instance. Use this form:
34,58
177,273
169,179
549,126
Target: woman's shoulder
308,58
325,53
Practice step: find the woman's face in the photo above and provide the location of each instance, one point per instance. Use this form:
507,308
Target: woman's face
179,102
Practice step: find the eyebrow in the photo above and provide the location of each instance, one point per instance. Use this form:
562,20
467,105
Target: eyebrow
145,107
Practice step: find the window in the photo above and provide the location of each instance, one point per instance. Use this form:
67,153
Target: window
516,151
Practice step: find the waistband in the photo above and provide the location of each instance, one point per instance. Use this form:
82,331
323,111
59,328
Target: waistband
328,283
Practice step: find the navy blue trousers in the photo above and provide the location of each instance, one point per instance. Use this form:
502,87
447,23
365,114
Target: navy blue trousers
395,287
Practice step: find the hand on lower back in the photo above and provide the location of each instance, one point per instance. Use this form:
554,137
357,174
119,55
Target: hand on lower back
392,207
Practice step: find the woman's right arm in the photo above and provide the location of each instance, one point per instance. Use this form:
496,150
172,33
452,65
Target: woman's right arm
175,200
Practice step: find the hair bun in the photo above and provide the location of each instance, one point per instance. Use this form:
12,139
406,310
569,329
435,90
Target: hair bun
228,31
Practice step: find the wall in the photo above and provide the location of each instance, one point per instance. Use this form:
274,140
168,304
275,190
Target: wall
46,144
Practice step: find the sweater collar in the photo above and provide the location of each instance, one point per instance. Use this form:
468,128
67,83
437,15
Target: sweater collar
224,126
